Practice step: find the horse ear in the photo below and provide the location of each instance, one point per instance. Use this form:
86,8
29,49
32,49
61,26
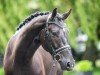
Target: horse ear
54,13
65,15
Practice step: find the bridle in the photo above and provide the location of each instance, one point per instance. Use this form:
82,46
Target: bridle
48,36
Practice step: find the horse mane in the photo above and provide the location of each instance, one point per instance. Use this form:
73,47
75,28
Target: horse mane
29,18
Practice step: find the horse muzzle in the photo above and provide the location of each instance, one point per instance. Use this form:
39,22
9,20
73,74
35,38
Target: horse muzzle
67,65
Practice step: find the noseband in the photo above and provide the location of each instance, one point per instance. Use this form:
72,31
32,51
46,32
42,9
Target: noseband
48,36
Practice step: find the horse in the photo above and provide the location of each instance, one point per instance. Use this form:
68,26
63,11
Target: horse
40,46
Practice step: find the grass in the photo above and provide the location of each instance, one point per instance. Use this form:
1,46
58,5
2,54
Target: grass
1,71
96,71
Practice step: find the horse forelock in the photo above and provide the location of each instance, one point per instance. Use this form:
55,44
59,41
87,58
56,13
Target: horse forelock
29,18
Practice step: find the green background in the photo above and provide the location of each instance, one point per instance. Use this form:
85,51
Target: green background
85,15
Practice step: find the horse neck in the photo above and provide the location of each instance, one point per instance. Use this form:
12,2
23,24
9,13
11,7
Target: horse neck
25,47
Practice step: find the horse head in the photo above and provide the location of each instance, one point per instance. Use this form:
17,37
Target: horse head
54,39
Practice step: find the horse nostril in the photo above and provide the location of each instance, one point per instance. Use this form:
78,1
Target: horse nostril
69,65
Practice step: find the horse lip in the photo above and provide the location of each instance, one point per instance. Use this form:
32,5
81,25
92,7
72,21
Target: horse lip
69,69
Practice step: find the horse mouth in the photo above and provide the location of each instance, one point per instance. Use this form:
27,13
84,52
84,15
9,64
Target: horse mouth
66,68
69,69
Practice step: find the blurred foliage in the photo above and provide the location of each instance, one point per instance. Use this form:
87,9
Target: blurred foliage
97,63
85,14
12,11
1,71
83,66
